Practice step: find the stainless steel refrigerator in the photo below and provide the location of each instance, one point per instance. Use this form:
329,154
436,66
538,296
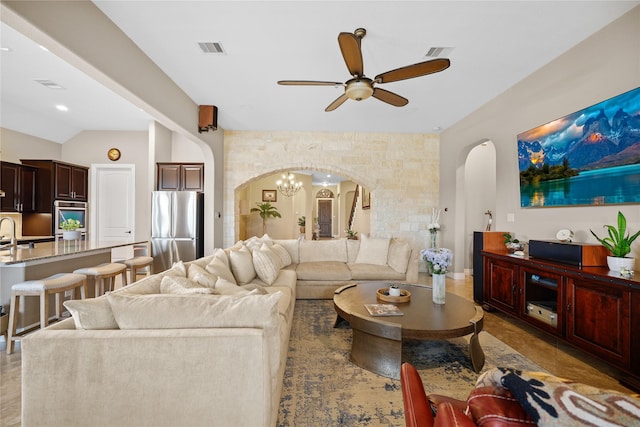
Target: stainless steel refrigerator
177,227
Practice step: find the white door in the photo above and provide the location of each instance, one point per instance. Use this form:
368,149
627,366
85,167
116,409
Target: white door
112,208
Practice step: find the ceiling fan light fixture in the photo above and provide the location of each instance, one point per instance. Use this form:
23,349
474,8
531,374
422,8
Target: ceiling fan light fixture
359,89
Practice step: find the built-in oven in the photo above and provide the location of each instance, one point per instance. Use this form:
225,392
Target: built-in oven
70,210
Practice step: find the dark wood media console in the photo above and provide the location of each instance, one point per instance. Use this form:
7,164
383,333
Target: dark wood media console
592,308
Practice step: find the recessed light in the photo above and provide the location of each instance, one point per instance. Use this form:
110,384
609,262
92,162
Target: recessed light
5,49
437,128
43,48
61,107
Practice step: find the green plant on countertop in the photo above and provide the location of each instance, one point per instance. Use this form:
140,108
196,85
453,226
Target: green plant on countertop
70,224
266,210
618,243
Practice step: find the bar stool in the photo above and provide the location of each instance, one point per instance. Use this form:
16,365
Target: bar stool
57,284
103,272
138,263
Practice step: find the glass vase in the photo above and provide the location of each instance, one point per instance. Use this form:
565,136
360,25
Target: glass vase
434,240
438,288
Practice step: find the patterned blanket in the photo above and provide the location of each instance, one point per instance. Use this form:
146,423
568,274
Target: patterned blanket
553,401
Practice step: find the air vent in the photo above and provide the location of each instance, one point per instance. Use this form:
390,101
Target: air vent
50,84
211,47
438,52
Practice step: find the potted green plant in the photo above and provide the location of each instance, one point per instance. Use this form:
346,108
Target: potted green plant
352,235
302,222
618,243
266,210
70,229
512,244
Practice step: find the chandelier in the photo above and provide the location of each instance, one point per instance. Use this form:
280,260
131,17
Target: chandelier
288,186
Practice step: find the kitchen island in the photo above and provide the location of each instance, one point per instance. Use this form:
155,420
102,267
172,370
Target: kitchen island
45,259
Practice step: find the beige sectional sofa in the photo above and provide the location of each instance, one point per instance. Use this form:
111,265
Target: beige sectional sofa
204,343
322,266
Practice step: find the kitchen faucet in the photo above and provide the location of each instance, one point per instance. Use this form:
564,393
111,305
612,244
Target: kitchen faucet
14,242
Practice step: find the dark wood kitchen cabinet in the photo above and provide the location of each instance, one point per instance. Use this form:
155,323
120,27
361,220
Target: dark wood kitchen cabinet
180,177
59,181
19,185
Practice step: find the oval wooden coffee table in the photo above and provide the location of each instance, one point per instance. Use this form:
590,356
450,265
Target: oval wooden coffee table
377,341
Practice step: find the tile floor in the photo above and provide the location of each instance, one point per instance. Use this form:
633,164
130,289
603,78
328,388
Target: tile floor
552,354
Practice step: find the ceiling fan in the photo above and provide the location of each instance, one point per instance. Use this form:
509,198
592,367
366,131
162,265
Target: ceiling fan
360,86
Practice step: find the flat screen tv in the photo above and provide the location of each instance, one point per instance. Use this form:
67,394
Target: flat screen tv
590,157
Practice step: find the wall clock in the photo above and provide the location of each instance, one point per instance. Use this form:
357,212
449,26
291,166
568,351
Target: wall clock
113,154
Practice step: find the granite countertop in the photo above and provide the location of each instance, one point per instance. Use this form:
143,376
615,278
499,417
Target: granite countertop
58,248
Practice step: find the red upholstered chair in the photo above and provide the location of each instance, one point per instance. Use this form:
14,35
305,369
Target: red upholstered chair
417,406
417,410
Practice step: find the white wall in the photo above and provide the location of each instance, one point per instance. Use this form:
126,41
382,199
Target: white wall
600,67
16,145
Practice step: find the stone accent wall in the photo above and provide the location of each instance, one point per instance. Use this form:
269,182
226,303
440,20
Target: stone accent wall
401,171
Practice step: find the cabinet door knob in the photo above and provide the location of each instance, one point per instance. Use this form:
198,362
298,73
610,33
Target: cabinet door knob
569,308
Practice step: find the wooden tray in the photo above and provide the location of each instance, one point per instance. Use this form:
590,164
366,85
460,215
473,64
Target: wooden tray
383,295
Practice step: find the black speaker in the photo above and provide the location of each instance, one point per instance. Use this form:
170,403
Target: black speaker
571,253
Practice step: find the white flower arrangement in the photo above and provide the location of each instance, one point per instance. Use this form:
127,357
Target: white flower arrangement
439,259
434,225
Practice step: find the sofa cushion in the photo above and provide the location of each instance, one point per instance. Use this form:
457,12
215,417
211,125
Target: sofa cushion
224,287
266,263
374,272
255,242
373,250
176,311
293,248
182,285
218,268
399,254
201,276
323,250
323,270
353,247
91,313
285,258
242,265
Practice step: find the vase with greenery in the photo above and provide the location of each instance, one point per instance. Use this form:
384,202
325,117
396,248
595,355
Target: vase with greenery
618,243
70,229
351,235
512,244
266,211
302,222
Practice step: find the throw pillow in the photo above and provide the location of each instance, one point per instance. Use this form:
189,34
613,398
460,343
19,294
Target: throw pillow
91,313
177,269
242,266
285,258
267,264
373,251
182,285
200,275
218,268
399,254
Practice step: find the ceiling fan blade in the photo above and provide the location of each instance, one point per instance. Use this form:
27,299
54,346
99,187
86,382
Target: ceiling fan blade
350,48
415,70
338,102
308,83
389,97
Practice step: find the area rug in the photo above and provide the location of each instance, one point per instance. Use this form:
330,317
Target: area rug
323,388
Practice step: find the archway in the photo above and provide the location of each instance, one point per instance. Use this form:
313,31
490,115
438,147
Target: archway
293,208
480,194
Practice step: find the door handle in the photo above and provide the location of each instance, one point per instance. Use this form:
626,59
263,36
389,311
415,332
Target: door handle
128,232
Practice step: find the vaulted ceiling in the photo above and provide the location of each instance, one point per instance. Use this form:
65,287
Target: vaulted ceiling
491,45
